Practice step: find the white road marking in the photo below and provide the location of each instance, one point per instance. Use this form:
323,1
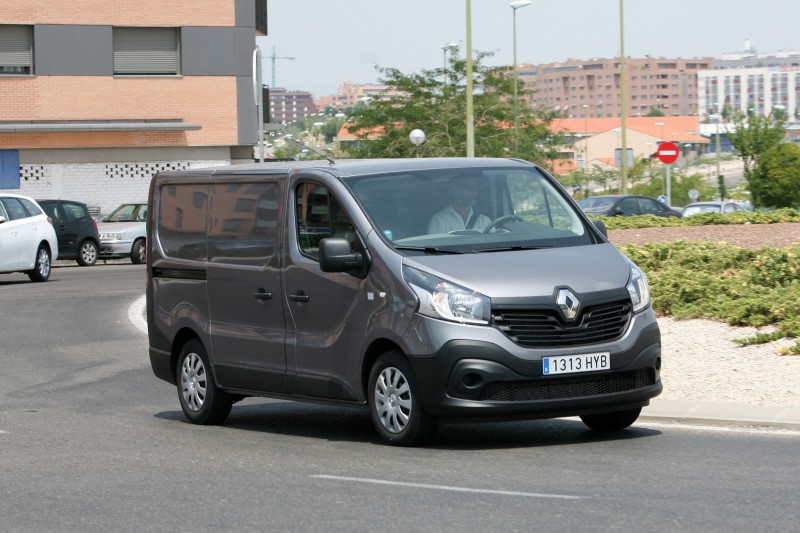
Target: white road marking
446,487
721,429
136,315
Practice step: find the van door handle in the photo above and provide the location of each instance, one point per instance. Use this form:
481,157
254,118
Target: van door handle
261,294
299,296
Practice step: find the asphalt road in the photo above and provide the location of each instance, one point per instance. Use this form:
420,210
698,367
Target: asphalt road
91,441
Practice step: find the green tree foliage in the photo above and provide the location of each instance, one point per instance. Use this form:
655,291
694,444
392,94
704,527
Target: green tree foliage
753,136
778,182
655,112
435,102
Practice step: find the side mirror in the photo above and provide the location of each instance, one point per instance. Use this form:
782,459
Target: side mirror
2,219
335,255
601,226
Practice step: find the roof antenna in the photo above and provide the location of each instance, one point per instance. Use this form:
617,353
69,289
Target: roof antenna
332,162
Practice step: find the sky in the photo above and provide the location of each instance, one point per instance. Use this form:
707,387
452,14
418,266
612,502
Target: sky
335,41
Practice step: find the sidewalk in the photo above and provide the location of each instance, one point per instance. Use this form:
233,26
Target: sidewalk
714,413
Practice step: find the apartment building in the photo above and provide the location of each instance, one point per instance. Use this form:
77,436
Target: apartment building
97,95
351,94
289,106
749,81
591,88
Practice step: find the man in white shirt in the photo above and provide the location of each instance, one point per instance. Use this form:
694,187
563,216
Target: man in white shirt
459,216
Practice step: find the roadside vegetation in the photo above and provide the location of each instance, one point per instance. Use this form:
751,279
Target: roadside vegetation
740,286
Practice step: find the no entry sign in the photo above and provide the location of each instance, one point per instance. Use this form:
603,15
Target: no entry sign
667,152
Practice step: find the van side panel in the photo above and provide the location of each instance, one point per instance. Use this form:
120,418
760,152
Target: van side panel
244,283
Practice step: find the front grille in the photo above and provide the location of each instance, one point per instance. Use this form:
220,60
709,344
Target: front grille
564,388
544,328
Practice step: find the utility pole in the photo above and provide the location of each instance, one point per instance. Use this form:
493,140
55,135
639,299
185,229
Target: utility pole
274,57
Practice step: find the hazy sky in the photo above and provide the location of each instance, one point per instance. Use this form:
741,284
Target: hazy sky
334,41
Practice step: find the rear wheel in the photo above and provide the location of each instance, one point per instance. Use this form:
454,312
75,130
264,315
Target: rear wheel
138,252
612,421
202,402
41,269
87,253
395,404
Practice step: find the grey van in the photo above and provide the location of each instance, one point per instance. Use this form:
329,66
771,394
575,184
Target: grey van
428,290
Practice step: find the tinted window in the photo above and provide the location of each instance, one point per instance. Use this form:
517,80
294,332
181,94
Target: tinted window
14,208
73,212
182,220
244,221
30,207
319,216
628,207
649,206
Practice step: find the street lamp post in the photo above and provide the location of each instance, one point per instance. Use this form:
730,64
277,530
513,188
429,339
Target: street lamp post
470,122
417,137
517,4
623,171
661,125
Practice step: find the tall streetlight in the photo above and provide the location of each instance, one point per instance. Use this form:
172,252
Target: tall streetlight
661,125
470,121
445,48
517,4
623,171
716,147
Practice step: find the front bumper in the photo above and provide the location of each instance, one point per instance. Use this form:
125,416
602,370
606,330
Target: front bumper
115,249
470,378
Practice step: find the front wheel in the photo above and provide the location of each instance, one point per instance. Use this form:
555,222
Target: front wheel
202,402
41,268
87,254
612,421
395,404
138,252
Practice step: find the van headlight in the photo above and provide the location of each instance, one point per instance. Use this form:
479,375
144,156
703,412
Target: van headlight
638,289
443,299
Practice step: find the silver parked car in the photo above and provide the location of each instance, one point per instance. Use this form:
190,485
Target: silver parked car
724,207
123,233
27,238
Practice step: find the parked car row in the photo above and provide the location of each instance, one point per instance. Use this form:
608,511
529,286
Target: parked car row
34,233
632,204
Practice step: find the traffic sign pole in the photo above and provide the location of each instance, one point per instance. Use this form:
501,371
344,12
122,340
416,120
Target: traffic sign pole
667,153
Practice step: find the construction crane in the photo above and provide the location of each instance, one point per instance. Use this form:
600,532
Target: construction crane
274,57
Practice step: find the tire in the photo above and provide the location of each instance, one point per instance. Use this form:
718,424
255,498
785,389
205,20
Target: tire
87,253
138,252
202,402
612,421
42,266
395,404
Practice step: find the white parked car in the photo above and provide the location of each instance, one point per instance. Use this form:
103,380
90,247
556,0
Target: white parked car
27,238
123,233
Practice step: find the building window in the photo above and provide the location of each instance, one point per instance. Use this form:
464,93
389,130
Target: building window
16,49
146,51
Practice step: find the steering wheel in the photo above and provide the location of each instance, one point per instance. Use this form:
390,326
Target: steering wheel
502,220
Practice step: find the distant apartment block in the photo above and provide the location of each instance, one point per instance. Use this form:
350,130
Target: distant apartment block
351,94
97,95
591,88
289,106
746,80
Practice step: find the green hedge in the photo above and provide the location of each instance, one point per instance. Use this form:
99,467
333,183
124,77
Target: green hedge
652,221
741,286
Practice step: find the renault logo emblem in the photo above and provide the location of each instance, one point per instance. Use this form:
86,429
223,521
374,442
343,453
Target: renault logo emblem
568,303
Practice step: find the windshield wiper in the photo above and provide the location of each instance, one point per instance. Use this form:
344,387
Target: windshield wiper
429,249
512,248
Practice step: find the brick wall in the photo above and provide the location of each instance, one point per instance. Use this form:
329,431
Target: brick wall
121,12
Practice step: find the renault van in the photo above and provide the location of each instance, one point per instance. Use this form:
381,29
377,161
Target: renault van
427,290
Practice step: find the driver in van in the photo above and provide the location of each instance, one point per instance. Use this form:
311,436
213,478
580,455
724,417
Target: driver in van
459,215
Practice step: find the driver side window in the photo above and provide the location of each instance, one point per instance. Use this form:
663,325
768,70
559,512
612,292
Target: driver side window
319,216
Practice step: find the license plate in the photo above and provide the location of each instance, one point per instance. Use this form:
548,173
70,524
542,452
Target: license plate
570,364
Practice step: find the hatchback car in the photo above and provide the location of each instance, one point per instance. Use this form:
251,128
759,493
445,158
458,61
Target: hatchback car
27,239
626,205
713,207
123,233
76,230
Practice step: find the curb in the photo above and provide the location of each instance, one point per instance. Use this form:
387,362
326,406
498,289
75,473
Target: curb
715,413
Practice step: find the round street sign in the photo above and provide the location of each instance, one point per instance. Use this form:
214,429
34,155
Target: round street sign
667,152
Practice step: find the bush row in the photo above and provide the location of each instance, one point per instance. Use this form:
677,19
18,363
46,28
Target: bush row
741,286
652,221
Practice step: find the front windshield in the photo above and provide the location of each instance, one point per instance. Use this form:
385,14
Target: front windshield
470,210
128,213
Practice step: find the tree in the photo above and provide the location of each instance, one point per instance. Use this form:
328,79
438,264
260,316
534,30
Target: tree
752,137
655,112
779,176
435,102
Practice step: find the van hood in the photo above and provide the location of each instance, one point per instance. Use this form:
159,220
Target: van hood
530,273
